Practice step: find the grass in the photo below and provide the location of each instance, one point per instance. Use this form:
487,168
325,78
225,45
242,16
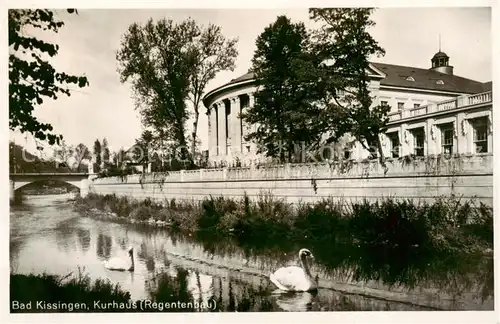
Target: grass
44,292
394,242
447,225
53,294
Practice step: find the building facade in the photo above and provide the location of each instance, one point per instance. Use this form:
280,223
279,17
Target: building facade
433,111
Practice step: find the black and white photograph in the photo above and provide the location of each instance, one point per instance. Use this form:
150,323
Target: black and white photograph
288,159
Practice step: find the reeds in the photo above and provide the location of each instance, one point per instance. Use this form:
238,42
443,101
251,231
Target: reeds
445,225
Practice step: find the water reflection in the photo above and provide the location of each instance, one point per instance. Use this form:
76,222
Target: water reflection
293,302
104,245
171,267
83,238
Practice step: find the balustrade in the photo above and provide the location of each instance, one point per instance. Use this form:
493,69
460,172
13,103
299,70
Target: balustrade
458,102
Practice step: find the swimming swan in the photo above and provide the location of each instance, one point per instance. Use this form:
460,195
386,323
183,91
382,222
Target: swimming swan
296,278
120,264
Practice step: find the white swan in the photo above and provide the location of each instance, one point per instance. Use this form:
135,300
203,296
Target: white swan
120,264
296,278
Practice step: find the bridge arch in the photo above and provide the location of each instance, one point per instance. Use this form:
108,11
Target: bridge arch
22,184
20,180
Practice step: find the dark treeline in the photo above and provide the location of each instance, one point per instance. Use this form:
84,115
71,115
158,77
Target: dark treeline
22,161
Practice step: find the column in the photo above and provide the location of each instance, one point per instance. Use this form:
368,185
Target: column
221,128
405,141
84,188
210,131
430,137
11,190
235,125
461,124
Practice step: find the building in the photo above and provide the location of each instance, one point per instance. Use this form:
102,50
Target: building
433,111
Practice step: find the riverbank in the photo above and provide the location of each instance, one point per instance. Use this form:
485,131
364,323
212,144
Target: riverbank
405,279
49,293
446,226
78,293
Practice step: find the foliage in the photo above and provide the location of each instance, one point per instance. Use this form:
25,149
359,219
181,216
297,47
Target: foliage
117,171
157,60
97,155
445,226
56,289
32,79
212,53
22,161
82,153
105,151
72,156
391,241
286,79
141,151
344,45
168,64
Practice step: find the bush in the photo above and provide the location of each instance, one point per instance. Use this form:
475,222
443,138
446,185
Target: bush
53,289
142,213
446,225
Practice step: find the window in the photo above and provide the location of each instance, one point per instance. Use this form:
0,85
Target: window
401,105
480,137
418,141
447,138
394,142
439,82
416,105
383,103
347,154
410,78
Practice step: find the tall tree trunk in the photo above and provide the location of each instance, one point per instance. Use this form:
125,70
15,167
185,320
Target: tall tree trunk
194,132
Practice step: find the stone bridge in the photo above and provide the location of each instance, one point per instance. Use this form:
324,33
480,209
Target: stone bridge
79,180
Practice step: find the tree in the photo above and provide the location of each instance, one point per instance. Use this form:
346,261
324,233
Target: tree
212,53
168,64
105,151
81,153
285,73
97,155
142,149
345,43
32,79
65,154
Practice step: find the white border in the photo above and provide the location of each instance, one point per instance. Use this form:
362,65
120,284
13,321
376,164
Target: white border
330,317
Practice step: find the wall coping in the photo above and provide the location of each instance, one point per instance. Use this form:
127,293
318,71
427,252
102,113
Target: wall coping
432,165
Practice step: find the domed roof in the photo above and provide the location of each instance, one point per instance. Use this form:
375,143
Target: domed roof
440,54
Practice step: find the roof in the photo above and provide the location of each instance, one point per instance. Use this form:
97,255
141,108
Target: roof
487,86
439,54
397,75
247,76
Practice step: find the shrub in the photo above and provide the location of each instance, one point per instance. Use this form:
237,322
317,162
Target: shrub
53,289
447,225
142,213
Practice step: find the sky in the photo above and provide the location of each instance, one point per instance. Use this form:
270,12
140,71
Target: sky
89,41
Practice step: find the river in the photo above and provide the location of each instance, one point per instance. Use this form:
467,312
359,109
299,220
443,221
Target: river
47,235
